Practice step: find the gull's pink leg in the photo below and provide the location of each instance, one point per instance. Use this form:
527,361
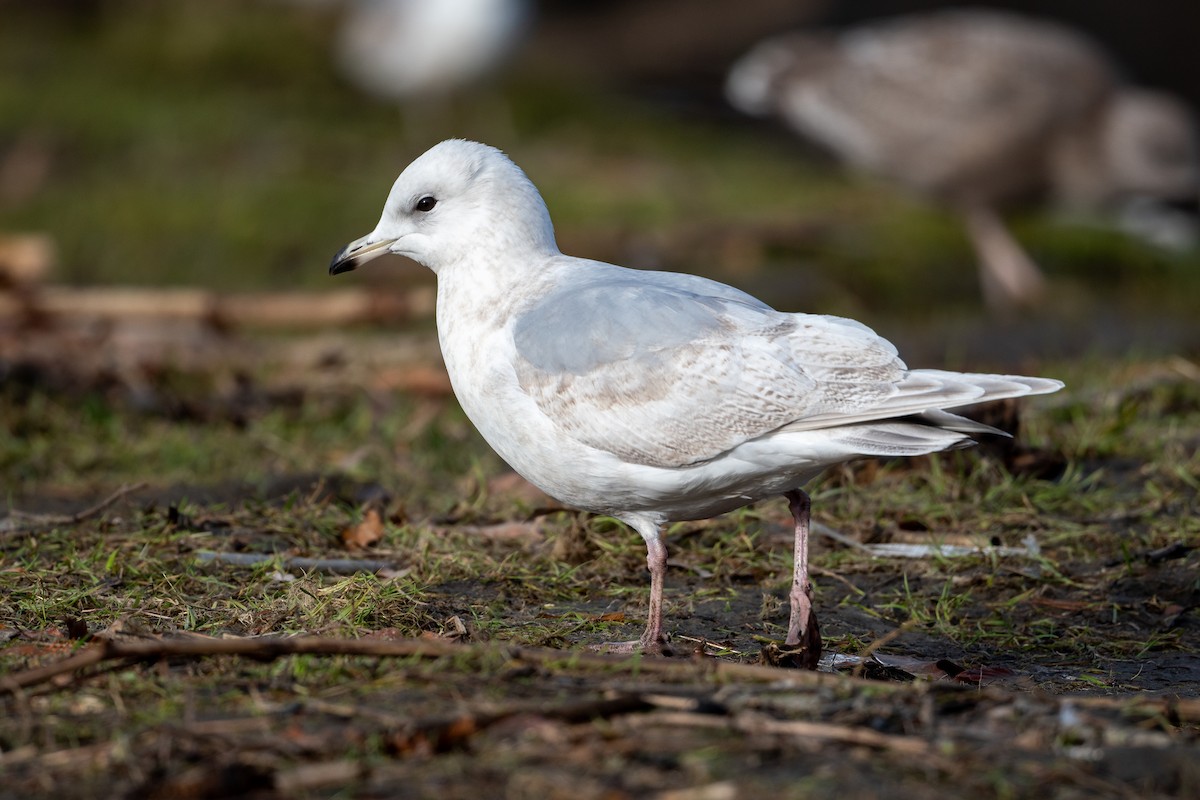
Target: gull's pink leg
804,635
656,562
652,640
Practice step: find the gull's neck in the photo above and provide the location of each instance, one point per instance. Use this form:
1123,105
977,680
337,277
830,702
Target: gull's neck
491,282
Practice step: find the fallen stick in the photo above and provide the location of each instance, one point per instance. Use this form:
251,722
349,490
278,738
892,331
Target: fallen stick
297,309
340,566
18,521
197,647
1177,709
275,647
839,537
327,309
301,778
756,724
447,733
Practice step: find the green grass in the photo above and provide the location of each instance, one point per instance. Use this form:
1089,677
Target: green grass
1112,497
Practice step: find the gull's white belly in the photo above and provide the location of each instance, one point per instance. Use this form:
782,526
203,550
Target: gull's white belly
596,480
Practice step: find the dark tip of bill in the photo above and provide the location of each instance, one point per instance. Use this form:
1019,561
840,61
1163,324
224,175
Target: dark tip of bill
338,266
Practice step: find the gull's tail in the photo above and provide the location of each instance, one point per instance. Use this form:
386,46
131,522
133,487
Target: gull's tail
926,392
914,420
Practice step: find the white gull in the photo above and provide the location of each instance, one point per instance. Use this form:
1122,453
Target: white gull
409,49
651,396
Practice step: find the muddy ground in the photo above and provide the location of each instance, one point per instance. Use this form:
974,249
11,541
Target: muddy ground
1058,659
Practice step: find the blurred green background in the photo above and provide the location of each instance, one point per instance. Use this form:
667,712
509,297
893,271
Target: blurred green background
213,143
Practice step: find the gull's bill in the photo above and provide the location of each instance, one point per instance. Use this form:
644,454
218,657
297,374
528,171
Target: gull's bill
359,252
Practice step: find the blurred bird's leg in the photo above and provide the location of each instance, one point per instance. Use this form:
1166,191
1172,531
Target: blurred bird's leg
1007,274
652,640
804,635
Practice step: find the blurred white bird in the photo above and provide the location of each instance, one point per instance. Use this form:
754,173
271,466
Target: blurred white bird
977,109
421,49
651,396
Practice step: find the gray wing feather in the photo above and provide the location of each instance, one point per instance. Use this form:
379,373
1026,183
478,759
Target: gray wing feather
615,313
669,370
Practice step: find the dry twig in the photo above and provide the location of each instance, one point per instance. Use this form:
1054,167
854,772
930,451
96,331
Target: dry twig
20,522
268,648
340,566
715,671
801,729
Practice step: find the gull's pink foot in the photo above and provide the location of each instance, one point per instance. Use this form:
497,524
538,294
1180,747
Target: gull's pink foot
804,653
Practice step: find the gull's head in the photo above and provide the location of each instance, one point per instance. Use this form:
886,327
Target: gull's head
759,82
1151,146
456,200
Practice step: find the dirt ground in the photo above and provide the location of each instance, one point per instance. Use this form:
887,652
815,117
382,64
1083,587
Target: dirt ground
448,658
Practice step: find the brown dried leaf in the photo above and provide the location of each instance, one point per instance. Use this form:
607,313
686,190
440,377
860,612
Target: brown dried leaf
365,533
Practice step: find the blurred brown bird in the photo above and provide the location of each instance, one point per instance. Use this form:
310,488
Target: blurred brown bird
976,109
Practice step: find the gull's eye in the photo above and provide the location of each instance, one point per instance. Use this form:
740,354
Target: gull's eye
426,203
